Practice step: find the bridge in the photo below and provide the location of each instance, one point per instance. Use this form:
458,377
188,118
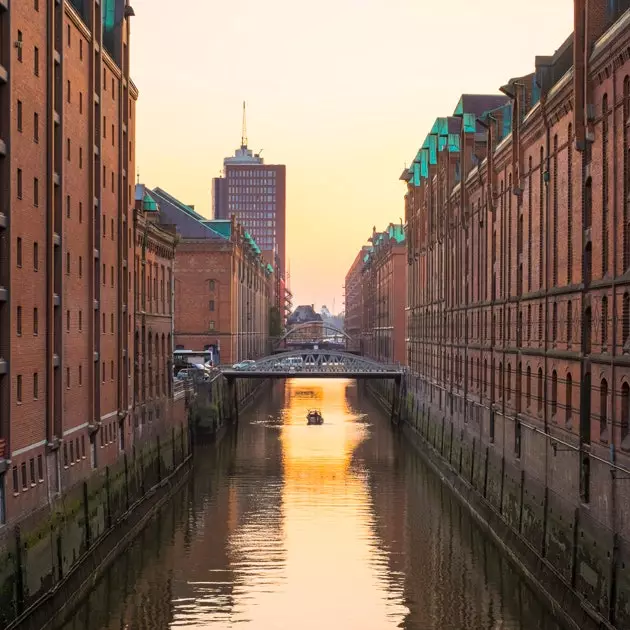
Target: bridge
315,335
312,364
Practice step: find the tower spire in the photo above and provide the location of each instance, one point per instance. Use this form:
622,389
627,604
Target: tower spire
244,135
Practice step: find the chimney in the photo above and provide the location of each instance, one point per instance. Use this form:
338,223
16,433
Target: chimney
590,19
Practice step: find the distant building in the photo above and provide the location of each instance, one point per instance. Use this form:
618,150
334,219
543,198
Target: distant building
223,286
308,323
354,297
255,193
384,296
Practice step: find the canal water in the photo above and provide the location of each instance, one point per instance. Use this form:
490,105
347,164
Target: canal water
286,526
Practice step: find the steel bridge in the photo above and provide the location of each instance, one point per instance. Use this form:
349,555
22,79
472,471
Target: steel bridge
309,335
313,364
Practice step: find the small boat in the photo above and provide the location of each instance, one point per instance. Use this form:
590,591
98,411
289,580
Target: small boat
314,417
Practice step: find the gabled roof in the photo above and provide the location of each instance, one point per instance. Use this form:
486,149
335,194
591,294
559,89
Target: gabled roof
189,223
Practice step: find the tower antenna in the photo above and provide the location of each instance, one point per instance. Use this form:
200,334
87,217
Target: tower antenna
244,136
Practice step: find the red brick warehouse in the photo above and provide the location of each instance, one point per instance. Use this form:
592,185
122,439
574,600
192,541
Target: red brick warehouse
518,234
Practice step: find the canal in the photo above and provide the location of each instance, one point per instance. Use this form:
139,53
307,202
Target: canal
285,526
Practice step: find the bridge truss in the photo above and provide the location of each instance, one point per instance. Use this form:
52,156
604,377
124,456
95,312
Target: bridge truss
315,364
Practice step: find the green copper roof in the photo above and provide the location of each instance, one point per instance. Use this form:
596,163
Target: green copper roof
221,226
396,232
148,203
269,268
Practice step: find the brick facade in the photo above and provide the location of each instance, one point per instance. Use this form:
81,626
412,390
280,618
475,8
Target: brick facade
517,212
67,124
353,297
223,293
383,295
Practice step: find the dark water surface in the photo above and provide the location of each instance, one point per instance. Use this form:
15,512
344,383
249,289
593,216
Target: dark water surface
285,526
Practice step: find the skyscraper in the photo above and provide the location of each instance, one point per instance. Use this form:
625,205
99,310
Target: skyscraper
256,193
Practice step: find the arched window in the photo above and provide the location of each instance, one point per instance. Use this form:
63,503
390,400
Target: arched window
625,320
604,322
528,387
540,390
569,399
625,411
603,410
509,382
588,203
554,394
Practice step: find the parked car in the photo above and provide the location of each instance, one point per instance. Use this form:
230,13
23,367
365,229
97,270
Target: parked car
244,365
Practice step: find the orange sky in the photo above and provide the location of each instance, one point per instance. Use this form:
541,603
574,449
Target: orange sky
341,91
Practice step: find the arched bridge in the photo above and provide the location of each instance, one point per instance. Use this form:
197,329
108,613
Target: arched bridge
309,335
314,364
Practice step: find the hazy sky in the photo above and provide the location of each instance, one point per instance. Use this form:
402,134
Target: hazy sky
341,91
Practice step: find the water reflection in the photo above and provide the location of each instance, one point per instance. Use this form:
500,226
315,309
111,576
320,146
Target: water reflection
286,525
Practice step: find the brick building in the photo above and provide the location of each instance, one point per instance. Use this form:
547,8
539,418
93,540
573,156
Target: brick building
353,296
383,294
67,128
223,287
153,307
67,246
518,237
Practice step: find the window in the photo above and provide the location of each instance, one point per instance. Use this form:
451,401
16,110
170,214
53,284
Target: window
212,305
211,324
68,149
104,226
19,183
211,284
528,387
67,263
80,157
36,61
19,388
35,322
19,46
554,393
18,252
569,400
19,116
31,465
81,49
80,320
111,275
111,370
68,206
80,266
112,135
40,468
111,230
104,127
67,378
35,385
16,484
36,127
603,410
80,212
35,257
625,411
68,321
80,375
68,87
35,192
604,322
24,478
81,101
111,323
19,321
540,390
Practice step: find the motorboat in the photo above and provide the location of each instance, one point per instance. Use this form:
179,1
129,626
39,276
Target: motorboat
314,417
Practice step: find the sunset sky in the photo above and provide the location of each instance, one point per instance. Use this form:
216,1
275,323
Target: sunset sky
341,91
